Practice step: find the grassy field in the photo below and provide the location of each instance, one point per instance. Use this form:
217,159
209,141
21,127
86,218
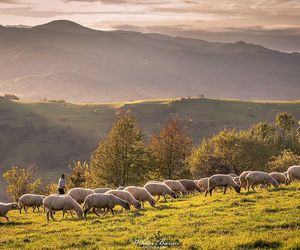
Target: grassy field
268,219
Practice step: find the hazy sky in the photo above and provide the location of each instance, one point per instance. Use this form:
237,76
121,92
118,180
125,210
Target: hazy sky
273,23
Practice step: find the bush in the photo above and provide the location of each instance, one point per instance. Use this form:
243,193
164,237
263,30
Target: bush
281,162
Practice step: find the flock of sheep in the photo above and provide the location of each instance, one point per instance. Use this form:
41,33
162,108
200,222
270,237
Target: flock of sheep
106,198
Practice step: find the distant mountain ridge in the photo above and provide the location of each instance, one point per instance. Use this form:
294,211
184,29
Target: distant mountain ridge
65,60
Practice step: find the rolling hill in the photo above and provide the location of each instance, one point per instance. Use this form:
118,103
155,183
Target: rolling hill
52,135
64,60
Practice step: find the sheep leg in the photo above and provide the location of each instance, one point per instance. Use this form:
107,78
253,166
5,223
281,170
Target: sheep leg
63,214
48,216
112,211
225,189
5,216
252,188
51,215
94,210
33,208
210,191
25,209
20,210
165,198
105,212
71,214
85,212
206,192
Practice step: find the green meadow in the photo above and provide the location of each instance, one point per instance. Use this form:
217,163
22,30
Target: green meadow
268,219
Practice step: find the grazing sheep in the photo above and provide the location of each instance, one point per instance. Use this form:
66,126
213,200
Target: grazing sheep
56,202
79,194
232,175
237,180
106,201
141,194
279,177
203,184
258,177
221,180
125,195
6,207
176,186
159,189
101,190
189,185
293,173
31,200
243,182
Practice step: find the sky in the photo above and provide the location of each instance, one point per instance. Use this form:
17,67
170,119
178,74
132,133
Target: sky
272,23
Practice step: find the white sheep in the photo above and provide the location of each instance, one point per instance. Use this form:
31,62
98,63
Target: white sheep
221,180
189,185
243,182
6,207
176,186
56,202
293,173
259,178
203,184
237,180
159,189
31,200
141,194
279,177
79,194
106,201
101,190
125,195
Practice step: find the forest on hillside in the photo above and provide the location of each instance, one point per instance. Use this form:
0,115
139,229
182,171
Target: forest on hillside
124,158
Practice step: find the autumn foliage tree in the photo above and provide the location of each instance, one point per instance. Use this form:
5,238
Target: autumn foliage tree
281,162
79,175
21,181
169,150
119,158
264,147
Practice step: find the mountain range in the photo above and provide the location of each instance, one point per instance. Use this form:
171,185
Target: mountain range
64,60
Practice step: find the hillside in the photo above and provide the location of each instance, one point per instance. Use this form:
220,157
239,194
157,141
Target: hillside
52,135
64,60
268,219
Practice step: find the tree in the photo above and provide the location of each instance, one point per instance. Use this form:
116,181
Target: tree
285,122
263,146
80,175
287,132
230,151
119,158
283,161
169,150
21,181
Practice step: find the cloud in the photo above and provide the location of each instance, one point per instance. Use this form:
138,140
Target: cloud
102,1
